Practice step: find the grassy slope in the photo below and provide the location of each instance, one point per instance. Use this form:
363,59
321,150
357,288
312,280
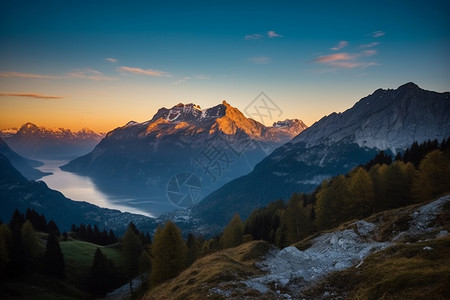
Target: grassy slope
222,269
403,271
78,257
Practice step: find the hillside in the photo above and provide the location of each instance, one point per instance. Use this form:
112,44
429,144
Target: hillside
24,165
407,248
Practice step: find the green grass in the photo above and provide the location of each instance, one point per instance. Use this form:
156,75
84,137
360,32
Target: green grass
79,256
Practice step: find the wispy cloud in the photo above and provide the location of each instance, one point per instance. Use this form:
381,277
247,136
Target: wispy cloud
139,71
334,57
340,45
378,33
89,74
182,80
253,36
27,75
30,95
370,45
347,60
272,34
187,78
260,60
369,52
111,60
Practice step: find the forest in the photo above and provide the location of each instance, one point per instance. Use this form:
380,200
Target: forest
88,262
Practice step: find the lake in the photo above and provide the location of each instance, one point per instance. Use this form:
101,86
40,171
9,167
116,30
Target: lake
82,188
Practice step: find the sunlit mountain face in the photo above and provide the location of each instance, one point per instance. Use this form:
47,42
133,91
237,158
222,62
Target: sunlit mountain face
181,154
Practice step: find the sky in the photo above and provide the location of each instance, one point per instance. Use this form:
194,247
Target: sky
100,64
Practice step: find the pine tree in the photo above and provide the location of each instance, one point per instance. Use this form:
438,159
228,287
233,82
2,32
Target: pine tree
433,177
5,246
131,250
361,194
168,254
102,273
232,234
54,258
31,243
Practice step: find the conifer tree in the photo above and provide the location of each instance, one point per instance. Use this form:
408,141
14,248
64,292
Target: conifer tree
54,258
131,250
361,194
31,243
433,177
168,253
5,246
232,234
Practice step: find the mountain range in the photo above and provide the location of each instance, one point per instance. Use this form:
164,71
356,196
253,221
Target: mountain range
38,142
387,120
182,153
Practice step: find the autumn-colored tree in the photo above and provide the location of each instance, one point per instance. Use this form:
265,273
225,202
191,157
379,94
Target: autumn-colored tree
330,203
168,254
232,234
433,177
297,218
361,194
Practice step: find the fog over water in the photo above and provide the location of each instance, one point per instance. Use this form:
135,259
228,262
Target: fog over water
82,188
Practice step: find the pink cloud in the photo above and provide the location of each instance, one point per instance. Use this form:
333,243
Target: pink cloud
30,95
139,71
334,57
89,74
273,34
340,45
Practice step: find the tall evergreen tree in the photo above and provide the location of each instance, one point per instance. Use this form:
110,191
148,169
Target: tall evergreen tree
131,250
232,234
31,243
54,258
168,253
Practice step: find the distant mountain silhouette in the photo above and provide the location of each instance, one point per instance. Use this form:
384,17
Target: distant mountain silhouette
43,143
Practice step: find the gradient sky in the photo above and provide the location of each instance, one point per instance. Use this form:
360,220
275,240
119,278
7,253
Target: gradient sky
99,64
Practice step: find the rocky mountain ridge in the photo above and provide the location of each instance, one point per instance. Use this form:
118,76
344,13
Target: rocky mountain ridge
40,142
387,120
182,153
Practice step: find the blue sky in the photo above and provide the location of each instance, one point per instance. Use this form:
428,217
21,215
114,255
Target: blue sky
99,64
